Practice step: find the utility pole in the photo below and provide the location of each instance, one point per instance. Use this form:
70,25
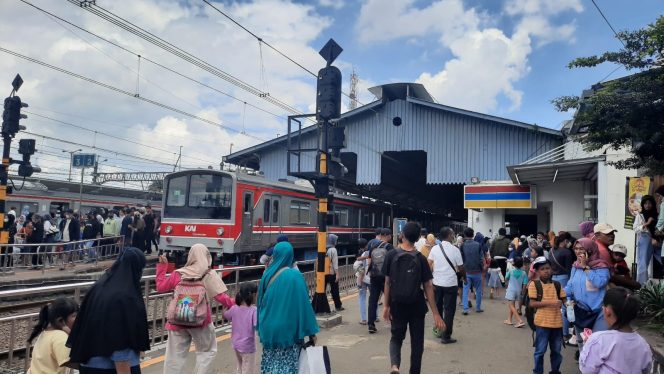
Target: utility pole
71,160
352,96
11,117
179,160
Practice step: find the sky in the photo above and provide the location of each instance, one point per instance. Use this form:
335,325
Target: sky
501,57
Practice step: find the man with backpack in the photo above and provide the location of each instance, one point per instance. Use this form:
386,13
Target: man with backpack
407,273
544,314
447,264
377,257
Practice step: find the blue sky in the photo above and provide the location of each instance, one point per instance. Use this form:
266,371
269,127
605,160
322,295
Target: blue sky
502,57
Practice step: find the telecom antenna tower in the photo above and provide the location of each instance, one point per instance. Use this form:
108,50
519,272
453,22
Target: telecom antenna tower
353,90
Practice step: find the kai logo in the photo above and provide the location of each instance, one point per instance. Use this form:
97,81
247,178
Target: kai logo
189,228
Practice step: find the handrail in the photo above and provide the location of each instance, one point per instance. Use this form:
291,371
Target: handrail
59,242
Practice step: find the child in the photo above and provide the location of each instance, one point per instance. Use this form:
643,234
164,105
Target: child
548,316
363,280
516,281
50,355
495,278
618,254
243,316
620,349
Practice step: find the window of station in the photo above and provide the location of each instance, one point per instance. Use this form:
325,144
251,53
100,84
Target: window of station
341,217
300,213
275,211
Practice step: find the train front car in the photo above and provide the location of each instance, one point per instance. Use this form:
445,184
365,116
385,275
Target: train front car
199,207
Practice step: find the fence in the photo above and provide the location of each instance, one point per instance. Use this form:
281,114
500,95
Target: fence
21,256
15,352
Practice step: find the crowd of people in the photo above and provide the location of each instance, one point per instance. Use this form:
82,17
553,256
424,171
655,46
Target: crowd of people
567,290
84,236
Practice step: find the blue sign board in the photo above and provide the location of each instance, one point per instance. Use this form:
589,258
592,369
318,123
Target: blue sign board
83,160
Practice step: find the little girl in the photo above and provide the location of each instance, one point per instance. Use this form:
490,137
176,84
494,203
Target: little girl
495,278
516,282
50,355
620,349
243,318
360,267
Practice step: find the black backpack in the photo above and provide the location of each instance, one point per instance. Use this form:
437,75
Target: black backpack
530,311
378,259
405,277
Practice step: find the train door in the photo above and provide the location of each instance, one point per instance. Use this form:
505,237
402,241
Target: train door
247,214
271,218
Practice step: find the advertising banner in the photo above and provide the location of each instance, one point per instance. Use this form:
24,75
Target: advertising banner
636,188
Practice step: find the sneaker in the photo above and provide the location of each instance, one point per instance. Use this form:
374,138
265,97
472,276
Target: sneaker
470,304
479,311
465,312
572,341
372,329
363,323
340,309
377,320
448,341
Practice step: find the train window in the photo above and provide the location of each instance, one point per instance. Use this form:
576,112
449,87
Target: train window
300,212
275,211
266,211
341,217
373,219
177,191
24,207
247,202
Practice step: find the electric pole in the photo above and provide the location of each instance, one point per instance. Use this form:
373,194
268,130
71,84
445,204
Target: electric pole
11,117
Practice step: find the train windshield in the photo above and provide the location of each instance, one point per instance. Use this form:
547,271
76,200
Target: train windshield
205,196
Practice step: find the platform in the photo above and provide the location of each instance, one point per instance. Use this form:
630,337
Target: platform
485,345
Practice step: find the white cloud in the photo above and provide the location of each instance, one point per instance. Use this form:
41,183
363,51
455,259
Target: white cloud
336,4
192,26
487,62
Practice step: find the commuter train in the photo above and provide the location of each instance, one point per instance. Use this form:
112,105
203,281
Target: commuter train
238,215
43,195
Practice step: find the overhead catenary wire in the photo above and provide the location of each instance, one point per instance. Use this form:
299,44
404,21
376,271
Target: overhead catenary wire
179,52
146,59
608,23
125,92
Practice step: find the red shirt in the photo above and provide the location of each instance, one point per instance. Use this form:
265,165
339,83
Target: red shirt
605,254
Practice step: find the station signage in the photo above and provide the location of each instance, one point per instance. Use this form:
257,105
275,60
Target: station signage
83,160
499,196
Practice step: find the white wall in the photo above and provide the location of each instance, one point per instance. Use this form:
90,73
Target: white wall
488,221
566,204
611,201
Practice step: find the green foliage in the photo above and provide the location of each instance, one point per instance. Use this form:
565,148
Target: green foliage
652,301
626,112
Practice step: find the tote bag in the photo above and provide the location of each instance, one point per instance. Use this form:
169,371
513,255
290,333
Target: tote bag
314,360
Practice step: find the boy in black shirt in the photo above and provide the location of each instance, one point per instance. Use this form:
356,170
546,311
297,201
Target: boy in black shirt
406,273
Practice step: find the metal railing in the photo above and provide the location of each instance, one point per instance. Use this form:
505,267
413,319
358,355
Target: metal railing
22,256
15,352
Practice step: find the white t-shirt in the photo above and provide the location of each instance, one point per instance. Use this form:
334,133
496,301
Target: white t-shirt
420,243
443,274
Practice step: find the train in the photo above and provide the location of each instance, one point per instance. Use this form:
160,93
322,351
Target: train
238,215
37,195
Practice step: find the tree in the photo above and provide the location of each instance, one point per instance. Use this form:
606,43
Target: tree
626,112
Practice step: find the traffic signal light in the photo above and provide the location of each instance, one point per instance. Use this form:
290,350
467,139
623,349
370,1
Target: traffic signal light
26,147
336,137
11,115
328,98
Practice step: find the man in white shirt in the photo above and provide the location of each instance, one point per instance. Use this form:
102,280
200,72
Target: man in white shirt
446,262
422,241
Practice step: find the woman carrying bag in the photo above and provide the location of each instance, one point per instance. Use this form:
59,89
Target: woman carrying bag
285,315
191,321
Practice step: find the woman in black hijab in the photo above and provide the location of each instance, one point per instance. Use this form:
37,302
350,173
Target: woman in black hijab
111,329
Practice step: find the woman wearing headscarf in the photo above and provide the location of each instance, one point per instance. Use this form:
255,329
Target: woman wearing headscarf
180,337
111,329
587,286
285,315
587,229
37,237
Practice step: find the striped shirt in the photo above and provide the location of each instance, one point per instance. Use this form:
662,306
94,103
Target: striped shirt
548,316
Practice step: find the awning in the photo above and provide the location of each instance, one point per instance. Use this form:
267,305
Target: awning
558,171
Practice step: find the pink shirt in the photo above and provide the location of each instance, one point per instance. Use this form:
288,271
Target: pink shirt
244,322
168,283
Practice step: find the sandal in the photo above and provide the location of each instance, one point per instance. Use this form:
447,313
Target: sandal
508,322
519,325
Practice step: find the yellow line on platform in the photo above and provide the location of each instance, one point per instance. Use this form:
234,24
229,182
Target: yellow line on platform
162,358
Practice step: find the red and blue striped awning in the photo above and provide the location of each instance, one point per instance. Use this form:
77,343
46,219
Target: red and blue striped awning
497,196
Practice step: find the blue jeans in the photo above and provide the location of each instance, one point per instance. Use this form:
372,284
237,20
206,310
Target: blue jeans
644,253
476,281
363,301
563,279
553,338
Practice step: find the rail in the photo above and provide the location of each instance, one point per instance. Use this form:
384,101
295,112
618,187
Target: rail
23,256
15,352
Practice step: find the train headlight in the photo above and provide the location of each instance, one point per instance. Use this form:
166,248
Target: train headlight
220,231
169,229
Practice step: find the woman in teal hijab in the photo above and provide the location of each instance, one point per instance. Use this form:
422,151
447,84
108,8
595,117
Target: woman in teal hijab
285,315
